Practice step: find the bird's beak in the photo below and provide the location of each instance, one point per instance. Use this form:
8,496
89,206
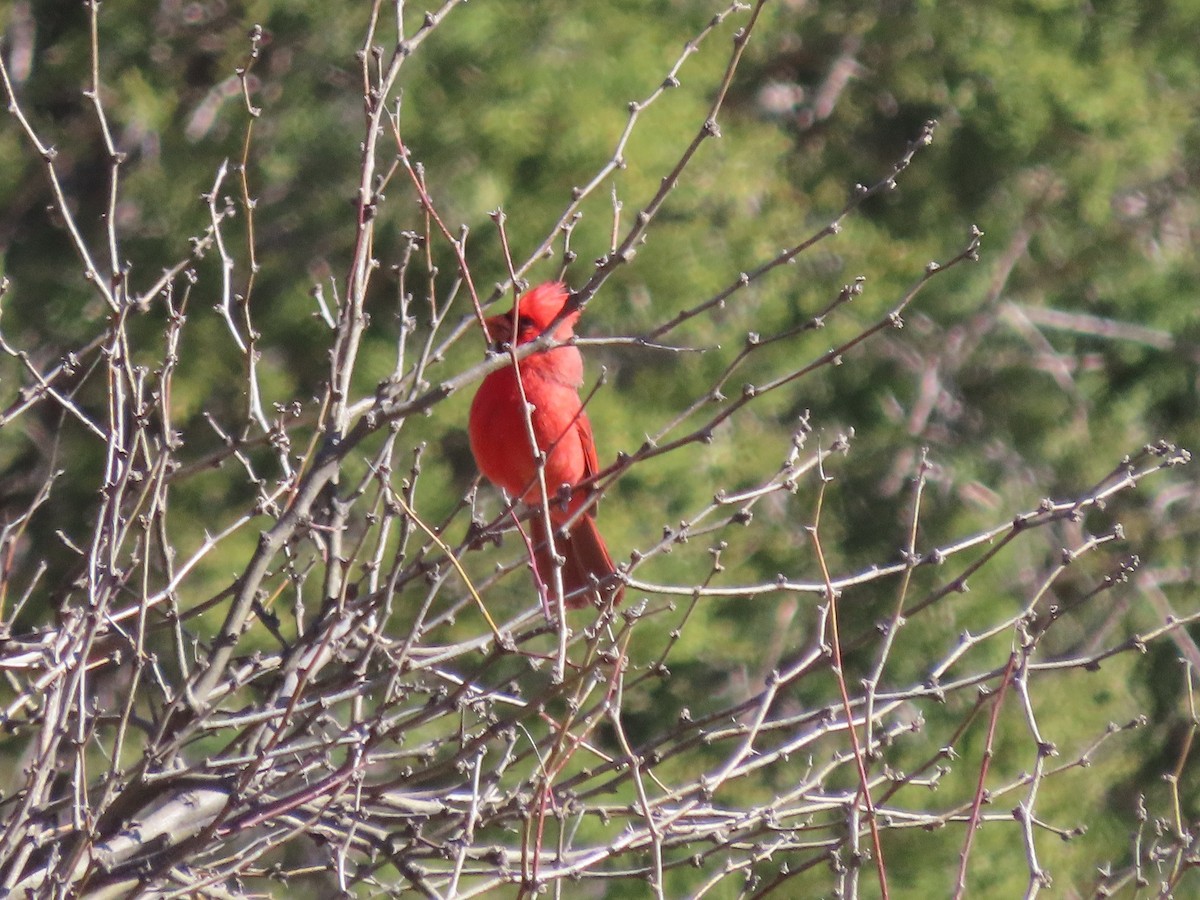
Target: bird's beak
499,330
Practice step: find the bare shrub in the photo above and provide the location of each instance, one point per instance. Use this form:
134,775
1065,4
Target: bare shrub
284,661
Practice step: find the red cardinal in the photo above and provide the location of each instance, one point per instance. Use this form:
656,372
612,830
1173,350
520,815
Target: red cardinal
500,440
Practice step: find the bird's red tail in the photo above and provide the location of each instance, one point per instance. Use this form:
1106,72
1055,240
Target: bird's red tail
587,562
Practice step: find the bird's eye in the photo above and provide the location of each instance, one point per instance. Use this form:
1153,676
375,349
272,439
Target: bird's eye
524,323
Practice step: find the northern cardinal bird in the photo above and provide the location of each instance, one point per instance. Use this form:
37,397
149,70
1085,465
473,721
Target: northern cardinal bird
500,441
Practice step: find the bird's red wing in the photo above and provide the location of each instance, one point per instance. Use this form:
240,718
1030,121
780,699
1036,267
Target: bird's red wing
591,463
587,556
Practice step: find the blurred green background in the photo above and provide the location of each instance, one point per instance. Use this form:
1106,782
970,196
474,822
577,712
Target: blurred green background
1068,133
